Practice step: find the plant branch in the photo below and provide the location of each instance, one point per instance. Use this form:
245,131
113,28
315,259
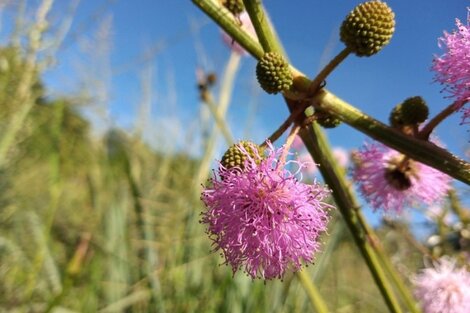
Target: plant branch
318,147
312,292
427,130
290,139
387,264
220,15
260,22
219,120
285,125
317,81
419,150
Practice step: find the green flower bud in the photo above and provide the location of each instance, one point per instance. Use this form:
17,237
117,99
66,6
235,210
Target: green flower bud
235,157
326,120
412,111
273,73
395,117
368,28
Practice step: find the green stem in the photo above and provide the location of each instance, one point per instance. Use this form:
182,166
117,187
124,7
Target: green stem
316,82
319,148
226,88
312,89
419,150
312,292
427,130
225,19
260,22
387,264
219,120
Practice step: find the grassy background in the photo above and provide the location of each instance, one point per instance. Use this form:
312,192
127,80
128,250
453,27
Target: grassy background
107,224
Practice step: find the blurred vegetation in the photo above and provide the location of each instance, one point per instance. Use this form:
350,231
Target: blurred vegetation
109,224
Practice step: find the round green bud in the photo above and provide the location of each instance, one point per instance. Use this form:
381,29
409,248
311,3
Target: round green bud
235,157
395,117
326,120
368,28
236,7
273,73
414,110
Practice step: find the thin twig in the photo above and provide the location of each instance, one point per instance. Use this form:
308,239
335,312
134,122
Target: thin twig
427,130
290,139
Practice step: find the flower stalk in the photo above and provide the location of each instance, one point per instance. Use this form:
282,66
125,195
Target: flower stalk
263,30
317,81
388,266
290,139
318,147
208,99
436,120
312,292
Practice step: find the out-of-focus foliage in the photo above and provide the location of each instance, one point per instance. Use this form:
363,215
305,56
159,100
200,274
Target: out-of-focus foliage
12,65
107,223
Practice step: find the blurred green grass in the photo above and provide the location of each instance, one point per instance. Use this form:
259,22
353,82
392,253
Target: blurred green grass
134,211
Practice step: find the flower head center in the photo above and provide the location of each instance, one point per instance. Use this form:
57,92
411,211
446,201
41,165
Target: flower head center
452,291
398,173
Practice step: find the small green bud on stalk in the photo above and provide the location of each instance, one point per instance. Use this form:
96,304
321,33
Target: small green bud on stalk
368,28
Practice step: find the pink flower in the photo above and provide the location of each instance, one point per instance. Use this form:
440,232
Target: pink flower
453,67
390,182
298,144
466,115
262,218
247,26
341,155
444,288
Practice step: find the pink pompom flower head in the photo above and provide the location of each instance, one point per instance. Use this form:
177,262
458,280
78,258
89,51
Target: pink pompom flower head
390,182
443,288
453,67
262,218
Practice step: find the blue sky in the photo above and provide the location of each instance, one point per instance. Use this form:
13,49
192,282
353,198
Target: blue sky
309,32
373,84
